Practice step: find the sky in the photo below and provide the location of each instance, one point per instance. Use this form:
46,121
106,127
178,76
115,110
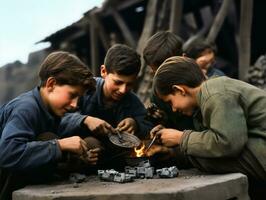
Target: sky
25,22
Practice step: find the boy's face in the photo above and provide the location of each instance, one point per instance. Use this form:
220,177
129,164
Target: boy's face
115,85
180,101
206,59
62,98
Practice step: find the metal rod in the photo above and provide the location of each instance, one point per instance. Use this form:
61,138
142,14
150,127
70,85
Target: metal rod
151,143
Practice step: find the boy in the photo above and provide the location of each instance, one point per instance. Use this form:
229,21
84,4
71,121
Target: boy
36,114
204,55
159,47
233,134
113,107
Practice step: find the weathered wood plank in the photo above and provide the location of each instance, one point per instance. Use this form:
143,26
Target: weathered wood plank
94,50
123,28
176,15
218,21
245,38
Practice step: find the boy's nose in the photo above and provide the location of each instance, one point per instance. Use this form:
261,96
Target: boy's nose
123,89
74,103
173,109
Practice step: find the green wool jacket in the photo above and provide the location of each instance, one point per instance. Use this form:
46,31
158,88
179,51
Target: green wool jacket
234,116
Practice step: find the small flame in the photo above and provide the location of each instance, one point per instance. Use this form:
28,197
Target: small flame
140,150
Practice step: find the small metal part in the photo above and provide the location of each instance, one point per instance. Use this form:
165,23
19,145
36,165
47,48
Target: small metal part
144,170
127,140
168,172
119,135
114,176
151,143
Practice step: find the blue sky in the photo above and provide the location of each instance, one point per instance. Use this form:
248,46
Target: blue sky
25,22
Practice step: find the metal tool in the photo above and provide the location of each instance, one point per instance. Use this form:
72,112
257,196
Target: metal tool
119,135
151,143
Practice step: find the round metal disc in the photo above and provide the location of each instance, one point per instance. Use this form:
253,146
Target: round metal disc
127,140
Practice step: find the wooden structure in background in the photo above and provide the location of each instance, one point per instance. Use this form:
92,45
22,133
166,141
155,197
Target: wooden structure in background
133,21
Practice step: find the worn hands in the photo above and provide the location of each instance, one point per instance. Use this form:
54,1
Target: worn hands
155,113
128,125
167,137
98,126
91,156
73,144
157,149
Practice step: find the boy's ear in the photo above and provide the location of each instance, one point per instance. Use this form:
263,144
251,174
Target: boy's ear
50,83
103,71
179,89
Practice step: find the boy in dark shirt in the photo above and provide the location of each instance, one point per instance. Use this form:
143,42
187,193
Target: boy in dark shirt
64,78
159,47
113,107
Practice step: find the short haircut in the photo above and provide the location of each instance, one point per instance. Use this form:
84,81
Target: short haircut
161,46
67,69
122,60
177,70
196,47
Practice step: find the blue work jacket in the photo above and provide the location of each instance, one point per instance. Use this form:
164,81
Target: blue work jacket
21,121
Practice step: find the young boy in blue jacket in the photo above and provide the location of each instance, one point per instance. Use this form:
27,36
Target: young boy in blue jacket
113,107
37,113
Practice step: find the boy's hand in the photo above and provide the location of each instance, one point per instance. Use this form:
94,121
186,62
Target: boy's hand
154,113
98,126
128,125
73,144
91,156
157,149
155,130
167,137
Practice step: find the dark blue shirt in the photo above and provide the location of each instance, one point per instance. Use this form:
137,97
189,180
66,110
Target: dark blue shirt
21,121
91,104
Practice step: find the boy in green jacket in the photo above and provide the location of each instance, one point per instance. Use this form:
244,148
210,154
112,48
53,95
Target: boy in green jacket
232,137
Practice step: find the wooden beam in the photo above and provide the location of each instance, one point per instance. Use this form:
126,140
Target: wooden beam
218,21
95,21
94,50
147,31
207,19
123,28
163,15
120,6
176,15
245,38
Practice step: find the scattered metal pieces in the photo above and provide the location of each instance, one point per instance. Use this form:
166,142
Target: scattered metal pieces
114,176
168,172
143,170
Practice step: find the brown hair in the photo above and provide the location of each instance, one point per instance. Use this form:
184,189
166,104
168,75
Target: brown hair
177,70
197,47
161,46
123,60
67,69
